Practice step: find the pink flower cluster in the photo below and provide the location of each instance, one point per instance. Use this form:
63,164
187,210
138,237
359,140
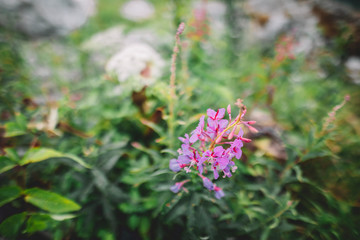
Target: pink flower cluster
214,148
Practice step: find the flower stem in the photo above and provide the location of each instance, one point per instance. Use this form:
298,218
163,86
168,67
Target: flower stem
171,119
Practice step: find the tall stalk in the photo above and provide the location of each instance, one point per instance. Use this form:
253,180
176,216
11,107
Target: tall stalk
171,119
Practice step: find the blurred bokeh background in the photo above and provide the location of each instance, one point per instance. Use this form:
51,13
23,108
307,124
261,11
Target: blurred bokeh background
88,123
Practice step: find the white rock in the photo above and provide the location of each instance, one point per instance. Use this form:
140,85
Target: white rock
110,38
38,18
291,17
353,69
137,10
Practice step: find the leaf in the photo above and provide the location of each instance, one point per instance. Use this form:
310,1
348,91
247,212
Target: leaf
298,172
133,222
7,194
41,154
6,164
275,223
37,222
50,201
78,160
144,226
12,154
62,217
10,227
315,154
15,128
153,126
265,234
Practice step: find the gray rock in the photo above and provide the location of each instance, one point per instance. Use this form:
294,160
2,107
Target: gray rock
40,18
137,10
49,64
268,19
352,66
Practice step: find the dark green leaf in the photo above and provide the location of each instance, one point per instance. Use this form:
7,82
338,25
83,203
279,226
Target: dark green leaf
7,194
10,227
38,222
6,164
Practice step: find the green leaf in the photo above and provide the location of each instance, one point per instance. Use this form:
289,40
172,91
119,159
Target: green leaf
15,128
10,227
42,154
7,194
133,222
6,164
12,154
38,222
315,154
62,217
153,126
50,201
265,234
144,226
38,155
77,159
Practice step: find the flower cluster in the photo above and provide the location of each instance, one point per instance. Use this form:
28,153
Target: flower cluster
213,148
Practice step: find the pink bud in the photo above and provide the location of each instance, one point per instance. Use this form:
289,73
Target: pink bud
245,139
251,122
229,112
218,140
181,28
231,135
252,129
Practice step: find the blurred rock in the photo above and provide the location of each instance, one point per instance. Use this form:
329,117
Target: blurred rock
267,140
216,12
268,19
339,22
51,63
137,10
352,66
44,18
102,45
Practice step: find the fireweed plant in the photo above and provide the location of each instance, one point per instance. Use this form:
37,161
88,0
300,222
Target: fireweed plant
212,149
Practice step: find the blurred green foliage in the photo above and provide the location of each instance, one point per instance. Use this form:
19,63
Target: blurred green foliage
101,172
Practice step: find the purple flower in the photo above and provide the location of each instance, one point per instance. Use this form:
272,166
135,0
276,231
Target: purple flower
174,165
184,160
197,133
236,148
219,192
200,164
208,184
185,140
212,153
177,186
214,127
219,114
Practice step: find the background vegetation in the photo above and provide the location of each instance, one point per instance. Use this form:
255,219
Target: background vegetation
100,170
